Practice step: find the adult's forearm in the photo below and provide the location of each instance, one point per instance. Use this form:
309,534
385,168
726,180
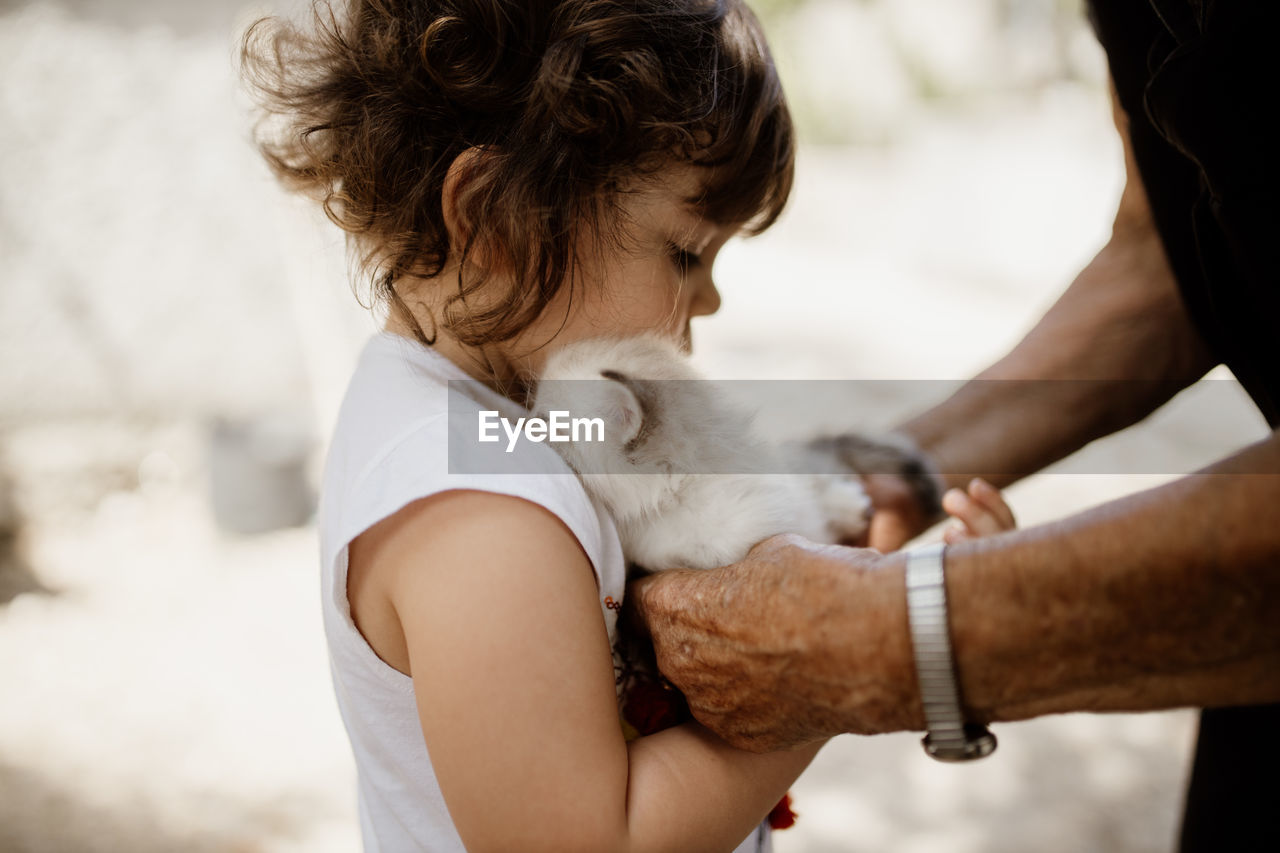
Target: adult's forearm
1115,346
1167,598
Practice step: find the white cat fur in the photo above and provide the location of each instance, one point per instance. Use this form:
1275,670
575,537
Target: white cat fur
666,516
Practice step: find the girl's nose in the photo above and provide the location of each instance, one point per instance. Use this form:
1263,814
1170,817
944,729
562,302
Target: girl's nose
706,300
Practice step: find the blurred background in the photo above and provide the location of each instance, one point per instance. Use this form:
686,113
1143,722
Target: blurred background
176,333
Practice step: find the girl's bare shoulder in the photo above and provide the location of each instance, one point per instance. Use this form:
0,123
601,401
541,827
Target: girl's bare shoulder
435,537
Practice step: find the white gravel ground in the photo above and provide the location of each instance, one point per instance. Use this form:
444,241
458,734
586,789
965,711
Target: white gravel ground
163,685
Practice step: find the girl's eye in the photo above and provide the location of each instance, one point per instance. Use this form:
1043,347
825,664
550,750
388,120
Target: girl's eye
683,258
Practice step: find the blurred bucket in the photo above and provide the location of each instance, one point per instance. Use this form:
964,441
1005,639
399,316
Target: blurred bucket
258,473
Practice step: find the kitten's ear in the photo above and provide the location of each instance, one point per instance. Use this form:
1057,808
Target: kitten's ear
623,414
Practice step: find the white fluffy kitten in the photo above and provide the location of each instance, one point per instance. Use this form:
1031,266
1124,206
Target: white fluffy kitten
663,423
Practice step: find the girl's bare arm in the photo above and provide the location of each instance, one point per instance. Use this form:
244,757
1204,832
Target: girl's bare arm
514,680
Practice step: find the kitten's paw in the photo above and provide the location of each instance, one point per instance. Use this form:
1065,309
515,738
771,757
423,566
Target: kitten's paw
846,506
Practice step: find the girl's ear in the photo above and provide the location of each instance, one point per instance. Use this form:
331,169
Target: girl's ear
456,181
464,179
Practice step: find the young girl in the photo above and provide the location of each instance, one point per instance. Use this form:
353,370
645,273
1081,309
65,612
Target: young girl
515,177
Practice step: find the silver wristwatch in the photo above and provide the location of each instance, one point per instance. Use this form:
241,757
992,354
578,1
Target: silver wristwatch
949,737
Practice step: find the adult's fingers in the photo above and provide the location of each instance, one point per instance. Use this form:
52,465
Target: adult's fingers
644,600
888,531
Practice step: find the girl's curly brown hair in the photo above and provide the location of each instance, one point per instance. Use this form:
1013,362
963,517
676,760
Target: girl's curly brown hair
566,100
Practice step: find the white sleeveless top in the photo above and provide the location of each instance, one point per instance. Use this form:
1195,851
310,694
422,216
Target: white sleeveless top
391,447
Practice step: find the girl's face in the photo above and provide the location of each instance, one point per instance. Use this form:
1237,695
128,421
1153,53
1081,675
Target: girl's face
655,279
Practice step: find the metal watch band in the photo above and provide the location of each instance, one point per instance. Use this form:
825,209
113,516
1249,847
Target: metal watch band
949,738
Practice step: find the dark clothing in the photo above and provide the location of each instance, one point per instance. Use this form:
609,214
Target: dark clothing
1199,80
1234,795
1200,83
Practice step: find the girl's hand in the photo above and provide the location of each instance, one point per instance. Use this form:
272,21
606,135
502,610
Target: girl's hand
980,511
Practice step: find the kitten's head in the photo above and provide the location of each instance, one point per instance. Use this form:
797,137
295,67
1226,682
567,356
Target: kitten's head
660,419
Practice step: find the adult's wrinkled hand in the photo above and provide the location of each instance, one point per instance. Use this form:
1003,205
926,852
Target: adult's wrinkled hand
795,643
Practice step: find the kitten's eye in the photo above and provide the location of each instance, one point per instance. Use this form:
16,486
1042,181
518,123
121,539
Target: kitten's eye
683,258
